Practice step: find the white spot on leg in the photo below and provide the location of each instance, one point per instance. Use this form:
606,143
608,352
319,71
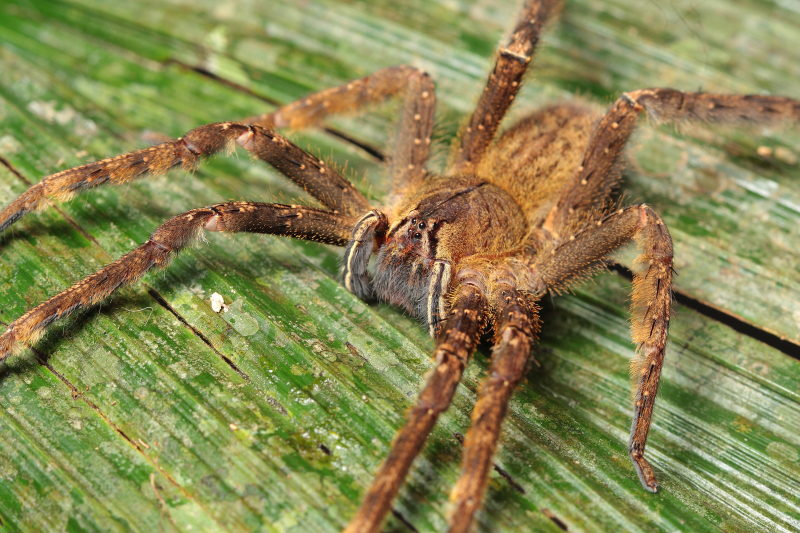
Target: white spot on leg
213,224
245,140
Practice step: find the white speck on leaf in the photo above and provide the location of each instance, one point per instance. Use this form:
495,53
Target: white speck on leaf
218,303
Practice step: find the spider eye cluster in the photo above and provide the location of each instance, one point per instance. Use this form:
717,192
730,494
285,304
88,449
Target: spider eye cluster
418,225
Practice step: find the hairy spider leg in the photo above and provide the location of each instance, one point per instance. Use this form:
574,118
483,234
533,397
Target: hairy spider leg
185,151
324,184
312,174
465,322
209,139
503,85
578,255
516,324
596,177
410,153
590,186
170,238
407,168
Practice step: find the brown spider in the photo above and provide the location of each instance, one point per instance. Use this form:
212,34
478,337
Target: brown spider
467,252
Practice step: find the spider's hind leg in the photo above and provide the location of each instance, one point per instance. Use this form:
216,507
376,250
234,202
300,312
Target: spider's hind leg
597,175
651,301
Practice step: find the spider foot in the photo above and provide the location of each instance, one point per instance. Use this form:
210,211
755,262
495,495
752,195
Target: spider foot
645,472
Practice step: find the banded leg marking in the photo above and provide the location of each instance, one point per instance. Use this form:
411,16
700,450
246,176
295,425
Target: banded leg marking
437,290
502,86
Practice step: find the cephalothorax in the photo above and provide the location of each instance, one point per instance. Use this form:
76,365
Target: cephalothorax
473,250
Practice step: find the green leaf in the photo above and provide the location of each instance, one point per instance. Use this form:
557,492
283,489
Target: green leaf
153,413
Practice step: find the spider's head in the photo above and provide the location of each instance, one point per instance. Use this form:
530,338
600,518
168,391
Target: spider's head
456,219
443,224
416,234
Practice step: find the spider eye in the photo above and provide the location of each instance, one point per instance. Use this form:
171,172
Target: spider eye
421,225
413,221
417,236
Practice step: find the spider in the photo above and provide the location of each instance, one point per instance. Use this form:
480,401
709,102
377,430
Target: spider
470,251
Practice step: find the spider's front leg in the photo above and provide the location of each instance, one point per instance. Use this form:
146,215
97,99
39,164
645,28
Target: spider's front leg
324,184
516,322
456,342
650,307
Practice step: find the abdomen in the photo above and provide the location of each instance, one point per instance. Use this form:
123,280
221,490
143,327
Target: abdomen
534,159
